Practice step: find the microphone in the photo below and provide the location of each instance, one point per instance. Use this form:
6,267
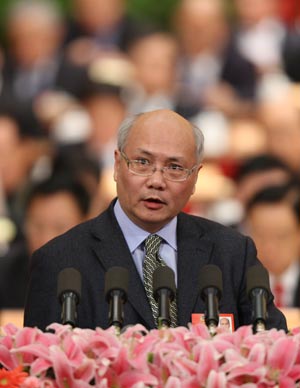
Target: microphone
258,291
164,290
211,288
69,294
115,288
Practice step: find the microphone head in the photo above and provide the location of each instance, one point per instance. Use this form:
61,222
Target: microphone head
211,277
257,277
164,278
69,280
116,279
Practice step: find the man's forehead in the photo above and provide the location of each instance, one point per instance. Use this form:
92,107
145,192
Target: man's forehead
161,116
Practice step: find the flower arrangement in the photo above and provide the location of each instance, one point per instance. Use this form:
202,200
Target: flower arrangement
182,357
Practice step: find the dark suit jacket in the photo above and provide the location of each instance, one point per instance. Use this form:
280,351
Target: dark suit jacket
98,244
14,268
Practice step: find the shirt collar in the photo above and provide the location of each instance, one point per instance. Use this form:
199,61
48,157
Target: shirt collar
134,235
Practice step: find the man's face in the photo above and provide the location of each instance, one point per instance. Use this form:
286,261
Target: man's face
275,230
49,216
162,138
224,322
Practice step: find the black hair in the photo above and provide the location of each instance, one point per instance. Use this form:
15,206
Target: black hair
288,193
260,163
75,161
59,184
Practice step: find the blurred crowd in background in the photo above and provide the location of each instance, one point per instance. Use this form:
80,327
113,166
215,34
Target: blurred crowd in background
67,80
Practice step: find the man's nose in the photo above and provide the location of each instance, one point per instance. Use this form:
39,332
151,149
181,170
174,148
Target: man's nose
157,178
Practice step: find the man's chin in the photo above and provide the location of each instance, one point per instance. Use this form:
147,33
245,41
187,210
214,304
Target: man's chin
153,222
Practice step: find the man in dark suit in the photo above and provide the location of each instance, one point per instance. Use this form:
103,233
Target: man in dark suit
52,206
213,73
35,62
156,168
273,221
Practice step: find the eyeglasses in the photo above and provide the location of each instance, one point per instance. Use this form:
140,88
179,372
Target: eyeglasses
143,167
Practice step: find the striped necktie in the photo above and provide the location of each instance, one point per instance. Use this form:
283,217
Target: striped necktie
151,262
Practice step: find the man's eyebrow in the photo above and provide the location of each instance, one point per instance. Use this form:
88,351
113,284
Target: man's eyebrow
168,158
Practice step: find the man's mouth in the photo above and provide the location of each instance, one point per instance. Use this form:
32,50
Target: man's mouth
154,203
154,200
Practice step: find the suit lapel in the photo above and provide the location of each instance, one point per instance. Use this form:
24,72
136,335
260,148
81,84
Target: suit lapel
112,250
194,251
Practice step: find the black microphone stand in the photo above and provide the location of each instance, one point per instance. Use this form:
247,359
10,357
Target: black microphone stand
69,294
258,290
116,314
260,308
211,283
164,290
116,286
164,318
68,313
212,313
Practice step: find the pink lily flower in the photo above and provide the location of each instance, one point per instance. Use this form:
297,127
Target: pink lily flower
281,358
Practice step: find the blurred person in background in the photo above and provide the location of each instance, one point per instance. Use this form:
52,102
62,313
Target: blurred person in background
227,185
273,221
270,42
107,110
260,33
97,26
230,143
247,139
18,156
69,128
260,171
105,105
281,117
80,165
233,170
154,56
34,60
52,207
214,75
62,117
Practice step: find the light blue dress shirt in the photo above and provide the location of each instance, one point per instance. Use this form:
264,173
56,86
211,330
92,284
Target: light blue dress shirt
135,237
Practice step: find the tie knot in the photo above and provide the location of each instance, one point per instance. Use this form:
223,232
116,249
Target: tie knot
152,244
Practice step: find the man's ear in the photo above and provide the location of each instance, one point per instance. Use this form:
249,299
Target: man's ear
197,172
